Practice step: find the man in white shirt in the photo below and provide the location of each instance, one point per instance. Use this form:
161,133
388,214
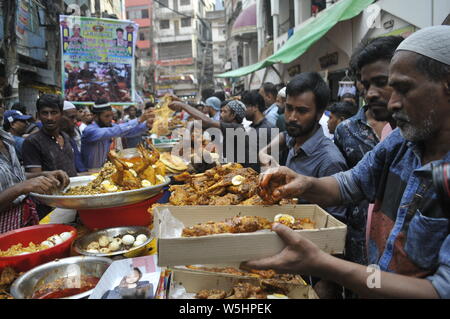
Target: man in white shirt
269,92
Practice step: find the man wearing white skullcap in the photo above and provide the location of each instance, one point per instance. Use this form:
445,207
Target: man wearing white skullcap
409,242
70,111
97,137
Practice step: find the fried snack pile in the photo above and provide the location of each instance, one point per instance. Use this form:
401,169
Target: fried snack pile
121,175
245,290
229,184
261,274
242,224
163,115
7,276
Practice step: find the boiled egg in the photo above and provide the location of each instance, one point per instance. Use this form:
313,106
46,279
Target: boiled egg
146,183
128,240
108,186
65,236
47,243
237,180
141,238
284,219
56,239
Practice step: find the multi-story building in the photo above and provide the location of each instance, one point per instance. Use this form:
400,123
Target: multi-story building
219,37
141,12
329,53
181,36
29,54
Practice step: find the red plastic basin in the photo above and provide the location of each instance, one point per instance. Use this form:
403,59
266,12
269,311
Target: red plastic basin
35,234
130,215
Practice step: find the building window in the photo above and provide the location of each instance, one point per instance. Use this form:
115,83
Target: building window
185,2
163,3
144,13
144,34
164,24
185,22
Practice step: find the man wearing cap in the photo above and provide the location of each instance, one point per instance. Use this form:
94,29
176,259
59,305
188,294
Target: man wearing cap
70,111
230,126
97,137
409,242
212,106
281,102
16,124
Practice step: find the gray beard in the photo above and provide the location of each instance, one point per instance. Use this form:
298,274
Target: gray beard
419,134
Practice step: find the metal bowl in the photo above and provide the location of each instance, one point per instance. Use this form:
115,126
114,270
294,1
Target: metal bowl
81,243
26,285
100,200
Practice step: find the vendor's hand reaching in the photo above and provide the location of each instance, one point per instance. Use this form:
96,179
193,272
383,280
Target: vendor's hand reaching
281,182
148,114
177,106
61,177
40,185
299,255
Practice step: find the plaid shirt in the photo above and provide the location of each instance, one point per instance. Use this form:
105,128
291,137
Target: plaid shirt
21,212
409,230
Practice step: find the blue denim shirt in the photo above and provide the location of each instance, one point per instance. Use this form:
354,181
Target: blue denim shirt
409,230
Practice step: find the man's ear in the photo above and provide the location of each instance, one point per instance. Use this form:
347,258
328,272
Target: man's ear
447,85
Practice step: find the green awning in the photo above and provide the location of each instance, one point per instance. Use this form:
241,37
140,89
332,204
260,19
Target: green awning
310,32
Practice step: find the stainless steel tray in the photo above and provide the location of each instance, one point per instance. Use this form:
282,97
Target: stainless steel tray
81,243
100,200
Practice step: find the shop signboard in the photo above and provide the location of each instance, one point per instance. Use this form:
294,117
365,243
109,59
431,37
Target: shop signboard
98,59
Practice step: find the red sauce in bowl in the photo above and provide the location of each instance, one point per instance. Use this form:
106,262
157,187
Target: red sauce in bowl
57,290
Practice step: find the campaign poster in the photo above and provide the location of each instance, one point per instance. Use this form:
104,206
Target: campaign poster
98,59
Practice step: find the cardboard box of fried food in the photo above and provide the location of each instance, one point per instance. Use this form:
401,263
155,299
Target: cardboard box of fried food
186,284
173,249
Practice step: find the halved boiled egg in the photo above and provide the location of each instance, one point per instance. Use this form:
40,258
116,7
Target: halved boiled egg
146,183
237,180
284,219
108,186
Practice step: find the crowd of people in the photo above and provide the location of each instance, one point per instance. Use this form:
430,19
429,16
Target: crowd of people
366,158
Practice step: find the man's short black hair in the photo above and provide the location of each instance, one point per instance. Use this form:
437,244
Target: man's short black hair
434,70
149,105
119,29
382,48
19,107
270,88
310,82
343,109
253,98
220,95
207,93
279,86
50,100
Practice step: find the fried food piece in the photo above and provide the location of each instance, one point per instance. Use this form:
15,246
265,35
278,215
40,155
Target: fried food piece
237,224
211,294
247,291
183,177
228,199
7,276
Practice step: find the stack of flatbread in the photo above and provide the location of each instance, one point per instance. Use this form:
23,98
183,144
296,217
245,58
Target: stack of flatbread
174,164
